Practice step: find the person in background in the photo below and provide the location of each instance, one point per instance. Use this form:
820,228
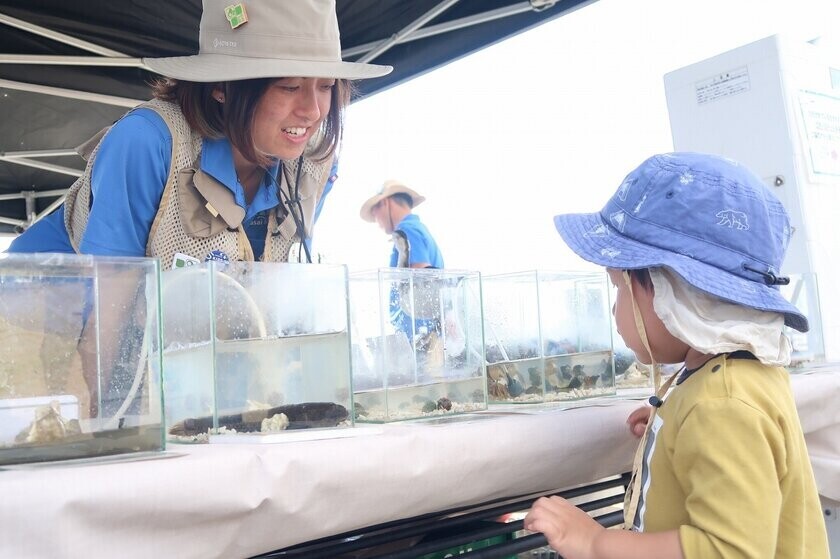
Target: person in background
414,247
694,244
392,209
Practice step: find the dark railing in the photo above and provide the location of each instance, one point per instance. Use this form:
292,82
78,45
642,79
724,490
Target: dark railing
437,533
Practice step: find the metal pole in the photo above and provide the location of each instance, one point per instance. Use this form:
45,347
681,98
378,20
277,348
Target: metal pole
395,39
444,27
70,60
42,165
57,36
71,94
39,153
34,194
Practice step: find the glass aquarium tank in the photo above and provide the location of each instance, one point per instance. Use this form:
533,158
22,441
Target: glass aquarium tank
78,375
808,348
548,336
417,344
515,371
631,376
257,348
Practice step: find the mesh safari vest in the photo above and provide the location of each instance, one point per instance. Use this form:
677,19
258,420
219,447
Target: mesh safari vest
197,214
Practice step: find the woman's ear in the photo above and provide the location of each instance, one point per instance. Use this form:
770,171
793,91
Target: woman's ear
219,93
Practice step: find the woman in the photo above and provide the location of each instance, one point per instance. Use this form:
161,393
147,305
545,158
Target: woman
231,160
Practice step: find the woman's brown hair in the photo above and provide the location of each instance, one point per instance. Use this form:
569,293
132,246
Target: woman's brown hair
234,118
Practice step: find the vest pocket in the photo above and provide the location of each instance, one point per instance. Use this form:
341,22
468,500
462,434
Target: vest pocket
196,217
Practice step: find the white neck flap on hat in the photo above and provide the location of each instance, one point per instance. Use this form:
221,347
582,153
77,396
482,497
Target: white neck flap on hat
712,326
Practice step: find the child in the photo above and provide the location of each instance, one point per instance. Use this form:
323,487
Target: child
694,244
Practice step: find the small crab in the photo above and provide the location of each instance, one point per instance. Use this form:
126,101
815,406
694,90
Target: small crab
444,404
497,382
48,426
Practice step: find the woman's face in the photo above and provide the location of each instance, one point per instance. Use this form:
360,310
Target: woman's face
289,113
382,214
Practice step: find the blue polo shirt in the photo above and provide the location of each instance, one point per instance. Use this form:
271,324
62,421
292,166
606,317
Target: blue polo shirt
422,249
127,184
422,246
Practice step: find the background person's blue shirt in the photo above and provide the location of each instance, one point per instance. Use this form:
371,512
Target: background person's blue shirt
422,246
422,249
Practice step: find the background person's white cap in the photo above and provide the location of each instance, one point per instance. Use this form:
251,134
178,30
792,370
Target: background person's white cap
390,188
266,39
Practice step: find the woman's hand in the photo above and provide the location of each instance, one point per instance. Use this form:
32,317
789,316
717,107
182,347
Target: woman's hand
638,420
569,530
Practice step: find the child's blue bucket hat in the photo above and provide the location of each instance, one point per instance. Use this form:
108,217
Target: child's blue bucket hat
707,218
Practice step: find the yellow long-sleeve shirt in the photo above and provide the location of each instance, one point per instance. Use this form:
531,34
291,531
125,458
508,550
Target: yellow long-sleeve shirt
726,465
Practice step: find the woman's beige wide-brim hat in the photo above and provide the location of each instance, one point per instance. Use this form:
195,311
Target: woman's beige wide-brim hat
390,188
266,39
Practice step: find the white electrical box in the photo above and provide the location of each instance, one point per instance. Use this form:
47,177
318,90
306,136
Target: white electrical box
774,106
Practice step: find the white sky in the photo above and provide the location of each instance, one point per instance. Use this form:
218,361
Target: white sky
547,122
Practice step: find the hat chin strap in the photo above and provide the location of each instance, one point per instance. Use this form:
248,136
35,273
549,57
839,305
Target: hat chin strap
634,486
640,327
390,213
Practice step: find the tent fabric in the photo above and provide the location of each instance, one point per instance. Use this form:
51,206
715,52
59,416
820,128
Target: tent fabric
31,121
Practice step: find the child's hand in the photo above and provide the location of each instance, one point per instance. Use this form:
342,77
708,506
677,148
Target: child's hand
569,530
638,420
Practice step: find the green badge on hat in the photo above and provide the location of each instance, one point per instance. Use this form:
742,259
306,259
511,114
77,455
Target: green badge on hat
236,15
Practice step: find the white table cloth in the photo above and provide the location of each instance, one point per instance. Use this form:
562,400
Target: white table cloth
239,500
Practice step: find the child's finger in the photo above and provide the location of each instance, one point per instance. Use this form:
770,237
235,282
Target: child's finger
638,429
